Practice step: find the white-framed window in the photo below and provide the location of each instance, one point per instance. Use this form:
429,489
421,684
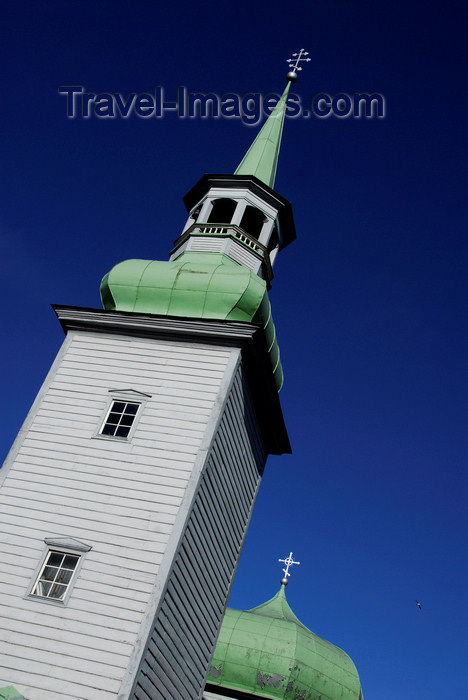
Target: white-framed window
56,575
122,412
120,418
58,570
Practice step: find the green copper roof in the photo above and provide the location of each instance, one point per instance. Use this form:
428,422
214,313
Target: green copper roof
195,285
10,693
267,652
261,159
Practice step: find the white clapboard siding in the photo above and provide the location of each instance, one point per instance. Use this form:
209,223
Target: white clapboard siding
35,675
115,637
177,401
112,457
120,497
114,461
117,624
116,495
79,656
172,494
186,624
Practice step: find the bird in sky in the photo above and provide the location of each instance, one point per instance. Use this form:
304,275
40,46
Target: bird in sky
418,604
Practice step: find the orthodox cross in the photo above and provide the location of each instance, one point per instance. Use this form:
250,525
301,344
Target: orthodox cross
289,561
294,62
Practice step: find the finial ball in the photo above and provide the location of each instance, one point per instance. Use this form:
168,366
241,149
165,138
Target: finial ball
284,581
291,76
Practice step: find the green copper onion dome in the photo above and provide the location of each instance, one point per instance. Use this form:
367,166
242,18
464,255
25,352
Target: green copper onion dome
196,285
267,652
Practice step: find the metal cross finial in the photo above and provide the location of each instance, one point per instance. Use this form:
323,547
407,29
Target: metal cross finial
289,561
295,60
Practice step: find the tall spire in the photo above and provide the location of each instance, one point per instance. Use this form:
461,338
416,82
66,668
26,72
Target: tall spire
261,159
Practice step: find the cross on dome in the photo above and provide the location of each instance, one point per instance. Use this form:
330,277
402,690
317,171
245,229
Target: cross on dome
289,561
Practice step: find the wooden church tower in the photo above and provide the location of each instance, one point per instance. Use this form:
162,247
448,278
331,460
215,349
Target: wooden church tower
127,494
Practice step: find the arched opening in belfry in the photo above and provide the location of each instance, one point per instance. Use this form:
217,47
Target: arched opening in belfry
252,221
222,211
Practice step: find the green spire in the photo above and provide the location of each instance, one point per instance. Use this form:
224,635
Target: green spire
261,159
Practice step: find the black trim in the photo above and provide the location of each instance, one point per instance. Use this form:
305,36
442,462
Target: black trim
232,694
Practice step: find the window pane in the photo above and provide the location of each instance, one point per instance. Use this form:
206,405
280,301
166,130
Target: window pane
49,573
42,588
132,408
57,592
127,420
70,561
122,431
118,407
64,576
108,429
55,559
113,418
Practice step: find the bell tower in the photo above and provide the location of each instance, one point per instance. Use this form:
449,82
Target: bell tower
129,489
241,215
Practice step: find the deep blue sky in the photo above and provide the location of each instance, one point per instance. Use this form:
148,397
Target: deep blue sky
369,302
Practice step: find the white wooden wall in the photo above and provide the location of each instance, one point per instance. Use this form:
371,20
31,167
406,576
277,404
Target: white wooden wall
180,646
124,499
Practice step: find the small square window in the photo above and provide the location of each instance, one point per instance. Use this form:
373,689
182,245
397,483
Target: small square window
55,575
120,419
